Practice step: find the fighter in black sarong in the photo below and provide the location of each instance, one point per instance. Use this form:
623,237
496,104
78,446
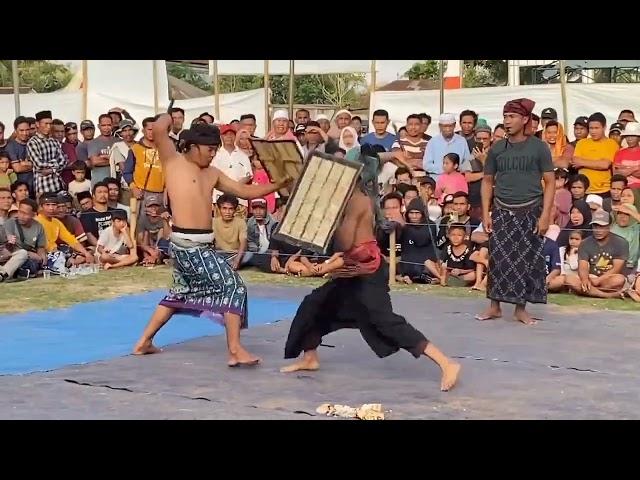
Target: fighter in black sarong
357,296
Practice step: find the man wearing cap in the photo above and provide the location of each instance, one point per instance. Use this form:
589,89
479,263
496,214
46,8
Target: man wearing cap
446,142
300,132
55,233
602,257
118,114
627,160
234,163
69,148
260,227
324,122
580,130
17,150
121,150
47,157
615,132
593,156
153,232
204,283
88,130
514,172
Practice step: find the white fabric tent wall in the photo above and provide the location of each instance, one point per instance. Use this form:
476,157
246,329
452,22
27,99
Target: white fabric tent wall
302,67
582,99
127,84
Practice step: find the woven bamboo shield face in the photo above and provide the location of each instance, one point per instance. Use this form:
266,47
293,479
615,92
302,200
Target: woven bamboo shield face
279,158
317,203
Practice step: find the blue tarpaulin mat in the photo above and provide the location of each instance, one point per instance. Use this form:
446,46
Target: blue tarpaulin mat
88,332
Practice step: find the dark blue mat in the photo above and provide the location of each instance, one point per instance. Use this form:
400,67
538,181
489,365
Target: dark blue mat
88,332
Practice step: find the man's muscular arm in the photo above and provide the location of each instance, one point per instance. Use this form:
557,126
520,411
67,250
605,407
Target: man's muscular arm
164,143
247,192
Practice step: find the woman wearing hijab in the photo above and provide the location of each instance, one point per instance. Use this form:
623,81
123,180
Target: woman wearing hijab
561,152
626,226
418,243
349,139
579,219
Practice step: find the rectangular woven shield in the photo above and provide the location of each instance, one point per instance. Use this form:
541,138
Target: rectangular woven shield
317,203
279,158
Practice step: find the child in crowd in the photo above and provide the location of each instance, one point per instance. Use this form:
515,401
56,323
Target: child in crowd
569,261
80,183
455,260
115,247
7,176
451,181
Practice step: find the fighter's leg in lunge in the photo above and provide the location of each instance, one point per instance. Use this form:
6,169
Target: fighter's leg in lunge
238,355
157,321
309,360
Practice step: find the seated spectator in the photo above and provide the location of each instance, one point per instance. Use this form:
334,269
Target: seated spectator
85,200
480,256
553,264
630,196
19,191
99,217
392,211
595,202
277,260
230,231
153,232
578,187
115,247
113,198
618,184
418,244
80,183
455,259
300,265
579,219
634,282
260,177
25,235
7,176
426,190
569,261
12,257
260,227
627,226
70,221
602,261
562,199
55,232
459,215
451,180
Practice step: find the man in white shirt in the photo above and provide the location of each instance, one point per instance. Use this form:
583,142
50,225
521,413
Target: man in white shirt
234,163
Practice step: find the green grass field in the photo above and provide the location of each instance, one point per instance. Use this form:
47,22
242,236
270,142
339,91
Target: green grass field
58,292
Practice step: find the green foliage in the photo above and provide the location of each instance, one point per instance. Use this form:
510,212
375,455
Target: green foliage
426,70
41,75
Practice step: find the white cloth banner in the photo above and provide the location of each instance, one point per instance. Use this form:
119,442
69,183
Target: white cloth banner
129,85
582,99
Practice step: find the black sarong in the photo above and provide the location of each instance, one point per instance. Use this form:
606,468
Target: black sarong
517,272
361,302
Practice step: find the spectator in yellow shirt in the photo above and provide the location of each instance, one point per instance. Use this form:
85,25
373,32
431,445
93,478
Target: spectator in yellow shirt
55,231
593,156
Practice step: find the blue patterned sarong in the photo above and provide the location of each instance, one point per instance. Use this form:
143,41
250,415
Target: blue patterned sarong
204,284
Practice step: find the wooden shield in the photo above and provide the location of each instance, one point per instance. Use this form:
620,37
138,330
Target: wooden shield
317,203
279,158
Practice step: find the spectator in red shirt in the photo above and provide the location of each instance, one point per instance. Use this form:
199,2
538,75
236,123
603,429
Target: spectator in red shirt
627,160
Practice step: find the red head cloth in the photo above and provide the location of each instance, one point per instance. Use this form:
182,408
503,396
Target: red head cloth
521,106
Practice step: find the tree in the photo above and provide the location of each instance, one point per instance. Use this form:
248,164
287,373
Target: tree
41,75
427,70
485,73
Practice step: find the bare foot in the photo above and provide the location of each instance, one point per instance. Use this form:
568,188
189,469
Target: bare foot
303,364
107,266
407,280
449,376
145,348
490,314
633,295
242,358
524,317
